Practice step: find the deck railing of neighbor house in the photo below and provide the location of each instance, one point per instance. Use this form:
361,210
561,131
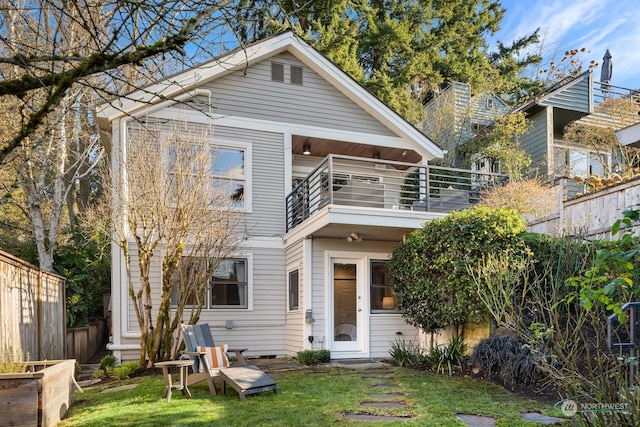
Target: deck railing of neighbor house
382,184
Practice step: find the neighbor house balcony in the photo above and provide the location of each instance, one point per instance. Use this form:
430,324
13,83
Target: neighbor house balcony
385,188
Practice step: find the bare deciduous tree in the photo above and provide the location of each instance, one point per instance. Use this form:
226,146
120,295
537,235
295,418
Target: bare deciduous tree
107,36
171,209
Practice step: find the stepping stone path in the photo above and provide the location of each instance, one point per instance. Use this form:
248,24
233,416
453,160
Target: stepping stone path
483,421
383,380
477,420
537,417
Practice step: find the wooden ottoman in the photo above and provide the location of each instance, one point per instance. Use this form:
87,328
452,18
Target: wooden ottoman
247,380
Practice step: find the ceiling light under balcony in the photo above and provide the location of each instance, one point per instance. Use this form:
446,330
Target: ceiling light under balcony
306,149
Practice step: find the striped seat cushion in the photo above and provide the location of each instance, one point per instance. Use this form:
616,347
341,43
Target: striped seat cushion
217,356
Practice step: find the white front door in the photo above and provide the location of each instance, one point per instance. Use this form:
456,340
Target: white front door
347,317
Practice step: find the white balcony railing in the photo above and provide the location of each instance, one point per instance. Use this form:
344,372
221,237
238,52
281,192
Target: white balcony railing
380,184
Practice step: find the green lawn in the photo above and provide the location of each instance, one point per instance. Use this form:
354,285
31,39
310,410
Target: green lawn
303,399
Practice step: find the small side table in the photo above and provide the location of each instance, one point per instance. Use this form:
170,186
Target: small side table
183,368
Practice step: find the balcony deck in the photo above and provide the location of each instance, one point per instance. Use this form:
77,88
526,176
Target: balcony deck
381,186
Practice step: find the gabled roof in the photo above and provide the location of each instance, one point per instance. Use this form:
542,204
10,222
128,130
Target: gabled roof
557,91
188,81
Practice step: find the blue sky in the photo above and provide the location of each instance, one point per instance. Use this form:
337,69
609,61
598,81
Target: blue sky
597,25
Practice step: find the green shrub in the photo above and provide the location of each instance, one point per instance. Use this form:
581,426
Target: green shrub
313,357
406,354
108,362
13,361
433,286
98,373
123,371
444,357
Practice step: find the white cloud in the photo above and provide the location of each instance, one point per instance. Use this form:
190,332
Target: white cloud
597,25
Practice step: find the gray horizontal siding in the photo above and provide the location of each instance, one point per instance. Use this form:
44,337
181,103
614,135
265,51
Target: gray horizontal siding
382,328
385,329
251,93
573,97
267,217
294,330
259,330
534,142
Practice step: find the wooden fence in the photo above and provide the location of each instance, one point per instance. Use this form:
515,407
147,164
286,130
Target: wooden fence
84,342
592,215
32,310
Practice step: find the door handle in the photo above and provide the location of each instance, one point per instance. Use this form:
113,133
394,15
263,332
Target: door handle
359,309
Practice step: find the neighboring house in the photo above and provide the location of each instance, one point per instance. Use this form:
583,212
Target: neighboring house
454,116
579,99
332,181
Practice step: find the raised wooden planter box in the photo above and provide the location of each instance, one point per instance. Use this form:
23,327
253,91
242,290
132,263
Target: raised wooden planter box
40,397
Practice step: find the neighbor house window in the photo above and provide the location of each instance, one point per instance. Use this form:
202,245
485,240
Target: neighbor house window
578,162
229,173
294,290
490,103
382,295
229,284
226,287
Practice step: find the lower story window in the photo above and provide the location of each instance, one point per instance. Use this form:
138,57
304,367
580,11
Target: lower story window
229,284
226,286
382,295
294,290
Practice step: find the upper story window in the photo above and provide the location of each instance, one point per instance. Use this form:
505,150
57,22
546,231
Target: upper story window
490,103
228,165
221,167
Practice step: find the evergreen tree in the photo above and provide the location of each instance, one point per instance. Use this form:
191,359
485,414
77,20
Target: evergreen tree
401,50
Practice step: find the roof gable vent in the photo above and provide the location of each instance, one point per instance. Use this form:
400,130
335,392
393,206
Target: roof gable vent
277,72
296,75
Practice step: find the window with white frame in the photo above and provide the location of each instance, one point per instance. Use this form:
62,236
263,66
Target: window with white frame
229,284
382,296
572,162
223,167
228,164
481,163
294,290
226,287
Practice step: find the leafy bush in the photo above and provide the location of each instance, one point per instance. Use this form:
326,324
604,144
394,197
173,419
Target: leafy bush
444,357
123,371
313,357
406,354
108,362
507,356
85,262
99,373
433,286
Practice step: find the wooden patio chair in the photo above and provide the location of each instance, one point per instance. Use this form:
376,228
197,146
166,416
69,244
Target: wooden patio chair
199,344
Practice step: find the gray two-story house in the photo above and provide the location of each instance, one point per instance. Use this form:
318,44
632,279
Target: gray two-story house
332,180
